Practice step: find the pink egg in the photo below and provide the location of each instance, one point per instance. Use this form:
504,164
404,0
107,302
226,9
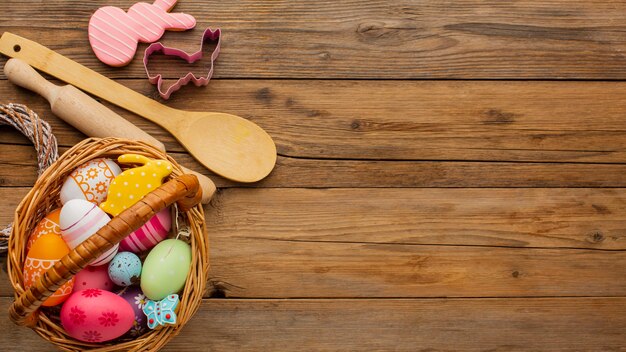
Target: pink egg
95,315
94,277
151,233
90,181
79,220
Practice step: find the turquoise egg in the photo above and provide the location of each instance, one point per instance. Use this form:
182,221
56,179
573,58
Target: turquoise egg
165,269
125,268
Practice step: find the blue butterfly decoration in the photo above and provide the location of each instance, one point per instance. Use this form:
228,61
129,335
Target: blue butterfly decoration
161,312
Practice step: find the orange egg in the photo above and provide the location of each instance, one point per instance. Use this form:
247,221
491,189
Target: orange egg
46,251
49,224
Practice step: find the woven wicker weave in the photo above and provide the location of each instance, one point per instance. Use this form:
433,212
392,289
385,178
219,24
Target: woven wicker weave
43,197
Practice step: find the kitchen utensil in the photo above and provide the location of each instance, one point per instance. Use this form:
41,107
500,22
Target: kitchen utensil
88,115
208,36
226,144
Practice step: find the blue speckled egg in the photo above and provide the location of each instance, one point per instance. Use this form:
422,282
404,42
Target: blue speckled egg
125,268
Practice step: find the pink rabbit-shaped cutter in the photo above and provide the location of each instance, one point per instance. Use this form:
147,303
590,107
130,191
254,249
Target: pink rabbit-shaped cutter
114,34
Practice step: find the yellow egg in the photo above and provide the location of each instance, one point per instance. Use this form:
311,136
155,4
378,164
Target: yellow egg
49,224
46,251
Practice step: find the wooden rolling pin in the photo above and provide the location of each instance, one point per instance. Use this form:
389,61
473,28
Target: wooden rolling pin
88,115
226,144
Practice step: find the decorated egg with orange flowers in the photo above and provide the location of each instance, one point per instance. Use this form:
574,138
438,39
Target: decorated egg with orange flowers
46,251
90,181
49,224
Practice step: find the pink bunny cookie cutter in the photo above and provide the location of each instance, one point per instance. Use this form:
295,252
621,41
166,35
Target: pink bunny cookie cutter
209,35
114,34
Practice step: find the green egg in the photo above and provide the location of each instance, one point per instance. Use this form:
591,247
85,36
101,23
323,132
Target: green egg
165,269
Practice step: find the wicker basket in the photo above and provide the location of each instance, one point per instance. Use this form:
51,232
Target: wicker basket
43,197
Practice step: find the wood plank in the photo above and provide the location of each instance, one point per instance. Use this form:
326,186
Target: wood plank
416,242
18,169
546,218
540,218
251,268
378,39
565,324
280,243
435,120
255,268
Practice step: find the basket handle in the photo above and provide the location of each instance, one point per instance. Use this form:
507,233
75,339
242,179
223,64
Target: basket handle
183,189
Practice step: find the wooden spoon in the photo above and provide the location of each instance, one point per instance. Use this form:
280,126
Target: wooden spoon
226,144
80,110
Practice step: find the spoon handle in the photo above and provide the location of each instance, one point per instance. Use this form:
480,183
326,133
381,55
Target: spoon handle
65,69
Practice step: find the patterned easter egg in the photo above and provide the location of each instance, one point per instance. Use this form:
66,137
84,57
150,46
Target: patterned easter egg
49,224
135,297
125,269
94,277
79,220
46,251
90,181
165,269
94,315
148,235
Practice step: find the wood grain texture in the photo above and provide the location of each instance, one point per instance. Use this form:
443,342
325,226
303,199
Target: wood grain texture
405,213
565,324
18,169
378,39
283,243
434,120
546,218
540,218
249,268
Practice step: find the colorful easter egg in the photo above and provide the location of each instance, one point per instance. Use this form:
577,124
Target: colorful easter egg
148,235
135,297
90,181
46,251
79,220
94,277
133,184
49,224
94,315
125,269
165,269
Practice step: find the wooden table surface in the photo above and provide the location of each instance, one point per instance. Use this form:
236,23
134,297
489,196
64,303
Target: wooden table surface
450,174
